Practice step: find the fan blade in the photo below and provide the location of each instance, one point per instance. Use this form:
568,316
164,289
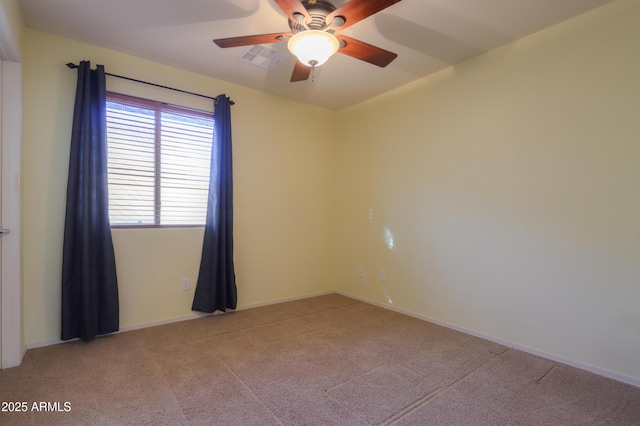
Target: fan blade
291,7
356,10
366,52
252,39
301,72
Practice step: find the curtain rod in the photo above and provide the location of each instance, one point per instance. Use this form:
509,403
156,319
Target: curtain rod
73,66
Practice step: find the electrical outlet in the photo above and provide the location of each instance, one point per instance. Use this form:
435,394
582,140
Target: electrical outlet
185,284
361,272
382,276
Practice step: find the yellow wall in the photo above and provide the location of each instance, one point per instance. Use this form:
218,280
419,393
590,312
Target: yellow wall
283,194
510,186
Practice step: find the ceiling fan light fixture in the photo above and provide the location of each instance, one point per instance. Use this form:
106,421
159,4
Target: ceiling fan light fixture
313,47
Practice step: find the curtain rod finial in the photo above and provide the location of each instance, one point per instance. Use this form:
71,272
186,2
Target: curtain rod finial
71,65
225,95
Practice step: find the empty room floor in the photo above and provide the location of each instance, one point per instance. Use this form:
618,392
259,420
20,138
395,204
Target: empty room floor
325,360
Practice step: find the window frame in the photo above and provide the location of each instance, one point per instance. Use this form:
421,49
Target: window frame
158,107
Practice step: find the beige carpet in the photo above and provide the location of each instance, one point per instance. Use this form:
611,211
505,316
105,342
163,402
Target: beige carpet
327,360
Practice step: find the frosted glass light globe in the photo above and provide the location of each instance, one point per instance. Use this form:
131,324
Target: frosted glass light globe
313,47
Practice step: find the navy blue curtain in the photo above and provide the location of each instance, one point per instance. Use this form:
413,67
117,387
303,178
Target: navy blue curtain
216,287
89,284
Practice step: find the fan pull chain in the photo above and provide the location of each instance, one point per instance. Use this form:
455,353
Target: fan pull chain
313,70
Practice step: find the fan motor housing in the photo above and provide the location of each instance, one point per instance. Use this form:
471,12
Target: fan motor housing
318,11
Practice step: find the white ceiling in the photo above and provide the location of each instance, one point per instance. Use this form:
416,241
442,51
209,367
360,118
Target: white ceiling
427,35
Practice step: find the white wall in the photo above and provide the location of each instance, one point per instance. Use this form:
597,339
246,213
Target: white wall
283,196
11,27
510,186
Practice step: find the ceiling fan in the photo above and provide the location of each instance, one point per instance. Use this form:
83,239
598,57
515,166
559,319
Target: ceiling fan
312,38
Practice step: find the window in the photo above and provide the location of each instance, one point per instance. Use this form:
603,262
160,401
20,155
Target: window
158,162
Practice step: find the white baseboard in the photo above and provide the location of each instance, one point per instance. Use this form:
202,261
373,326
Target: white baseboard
122,329
190,316
44,343
289,299
551,356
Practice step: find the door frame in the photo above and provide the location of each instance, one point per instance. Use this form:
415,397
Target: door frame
12,347
12,337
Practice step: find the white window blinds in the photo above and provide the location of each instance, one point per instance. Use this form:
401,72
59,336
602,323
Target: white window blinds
158,167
